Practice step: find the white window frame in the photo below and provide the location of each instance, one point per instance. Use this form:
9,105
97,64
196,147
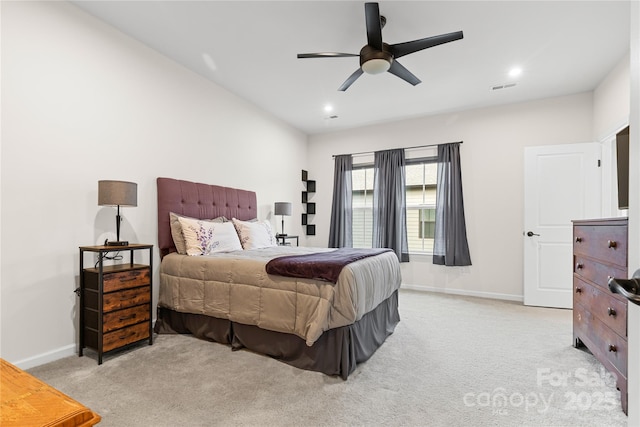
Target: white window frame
413,207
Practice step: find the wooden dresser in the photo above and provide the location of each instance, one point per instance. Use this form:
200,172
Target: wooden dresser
600,316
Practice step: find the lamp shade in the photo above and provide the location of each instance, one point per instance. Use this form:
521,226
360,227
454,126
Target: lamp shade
282,208
117,193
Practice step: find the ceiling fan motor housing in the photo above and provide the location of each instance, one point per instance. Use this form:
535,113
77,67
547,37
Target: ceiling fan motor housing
377,57
375,61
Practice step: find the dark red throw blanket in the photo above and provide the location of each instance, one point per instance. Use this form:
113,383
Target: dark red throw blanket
322,265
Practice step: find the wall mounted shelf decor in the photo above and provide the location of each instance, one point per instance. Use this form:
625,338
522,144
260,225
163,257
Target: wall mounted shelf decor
310,207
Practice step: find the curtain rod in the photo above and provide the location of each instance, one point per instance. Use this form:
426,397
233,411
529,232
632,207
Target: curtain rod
406,148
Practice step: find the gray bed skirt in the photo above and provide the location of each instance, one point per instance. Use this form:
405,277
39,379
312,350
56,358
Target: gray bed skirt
336,352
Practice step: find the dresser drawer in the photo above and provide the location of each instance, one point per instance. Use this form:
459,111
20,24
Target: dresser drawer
117,300
607,346
128,316
597,272
610,311
603,242
117,277
122,337
126,279
127,298
116,319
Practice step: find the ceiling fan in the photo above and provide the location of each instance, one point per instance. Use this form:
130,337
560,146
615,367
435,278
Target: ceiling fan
377,57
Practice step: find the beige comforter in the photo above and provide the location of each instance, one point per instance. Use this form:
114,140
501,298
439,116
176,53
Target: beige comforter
235,286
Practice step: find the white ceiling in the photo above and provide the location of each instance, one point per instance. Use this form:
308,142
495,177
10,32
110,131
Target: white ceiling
563,47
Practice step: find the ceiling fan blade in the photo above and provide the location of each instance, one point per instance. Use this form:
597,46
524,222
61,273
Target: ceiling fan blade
325,55
398,70
374,27
352,78
402,49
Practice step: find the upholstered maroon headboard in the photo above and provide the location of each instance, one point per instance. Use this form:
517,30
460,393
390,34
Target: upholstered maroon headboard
201,201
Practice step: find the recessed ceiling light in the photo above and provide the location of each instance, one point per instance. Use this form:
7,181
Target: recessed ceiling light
328,108
515,72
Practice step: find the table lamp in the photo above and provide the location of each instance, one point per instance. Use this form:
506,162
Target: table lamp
282,208
117,193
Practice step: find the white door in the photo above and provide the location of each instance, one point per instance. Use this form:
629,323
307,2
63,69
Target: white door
561,183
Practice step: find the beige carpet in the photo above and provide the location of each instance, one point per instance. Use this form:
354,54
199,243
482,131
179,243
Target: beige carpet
452,361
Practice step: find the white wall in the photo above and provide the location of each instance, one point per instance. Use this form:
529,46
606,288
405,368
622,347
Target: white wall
611,102
492,173
83,102
610,115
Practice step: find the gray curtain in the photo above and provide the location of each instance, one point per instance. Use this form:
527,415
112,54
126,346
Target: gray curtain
450,239
340,230
389,203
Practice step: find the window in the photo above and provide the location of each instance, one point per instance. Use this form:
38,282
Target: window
362,203
421,176
427,223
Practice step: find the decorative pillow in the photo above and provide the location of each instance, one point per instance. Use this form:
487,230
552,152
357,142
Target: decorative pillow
255,234
203,237
176,230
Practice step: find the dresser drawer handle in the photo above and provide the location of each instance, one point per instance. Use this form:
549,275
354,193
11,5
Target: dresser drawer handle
578,239
612,244
613,348
131,316
579,266
578,290
124,337
611,311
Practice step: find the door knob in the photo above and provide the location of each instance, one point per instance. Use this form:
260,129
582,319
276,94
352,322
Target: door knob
531,233
628,288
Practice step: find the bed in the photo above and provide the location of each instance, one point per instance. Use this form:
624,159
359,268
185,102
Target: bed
230,297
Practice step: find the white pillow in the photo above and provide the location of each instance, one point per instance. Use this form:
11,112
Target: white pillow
255,234
176,230
204,237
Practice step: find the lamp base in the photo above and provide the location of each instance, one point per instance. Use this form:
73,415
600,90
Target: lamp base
116,243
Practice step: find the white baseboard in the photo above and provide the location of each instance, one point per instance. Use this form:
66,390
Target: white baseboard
52,356
490,295
47,357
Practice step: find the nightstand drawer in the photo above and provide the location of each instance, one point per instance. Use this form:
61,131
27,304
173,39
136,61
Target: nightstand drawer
127,298
125,279
122,337
117,277
128,316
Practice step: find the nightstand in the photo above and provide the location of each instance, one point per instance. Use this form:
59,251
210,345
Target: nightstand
282,240
115,300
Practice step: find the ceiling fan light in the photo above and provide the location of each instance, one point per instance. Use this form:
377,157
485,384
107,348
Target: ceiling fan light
376,66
